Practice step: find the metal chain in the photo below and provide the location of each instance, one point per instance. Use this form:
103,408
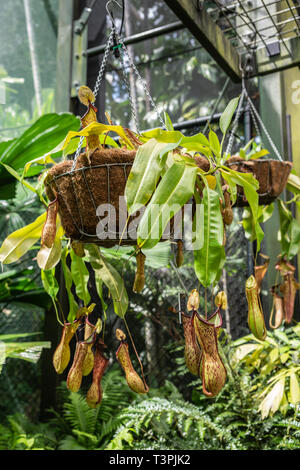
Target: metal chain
132,104
96,87
235,122
142,81
255,123
264,128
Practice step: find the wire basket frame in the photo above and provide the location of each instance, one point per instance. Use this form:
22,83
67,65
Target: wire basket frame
83,189
271,175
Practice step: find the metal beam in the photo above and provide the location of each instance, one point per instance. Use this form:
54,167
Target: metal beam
211,37
145,35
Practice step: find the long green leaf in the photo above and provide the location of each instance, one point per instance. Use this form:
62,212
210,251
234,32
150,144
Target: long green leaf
73,306
20,241
173,191
47,132
80,276
285,221
209,254
250,186
111,278
145,173
227,114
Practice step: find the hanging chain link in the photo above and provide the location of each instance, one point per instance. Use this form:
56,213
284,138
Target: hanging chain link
96,87
142,81
235,123
254,110
256,120
113,34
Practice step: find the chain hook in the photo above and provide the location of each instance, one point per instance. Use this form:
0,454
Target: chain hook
110,13
116,44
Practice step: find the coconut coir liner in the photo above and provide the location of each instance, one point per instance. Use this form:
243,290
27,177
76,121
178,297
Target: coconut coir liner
272,177
81,192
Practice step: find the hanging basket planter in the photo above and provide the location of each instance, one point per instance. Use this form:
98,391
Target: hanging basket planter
272,176
92,183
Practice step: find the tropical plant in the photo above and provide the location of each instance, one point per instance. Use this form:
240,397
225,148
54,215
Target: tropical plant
28,351
165,174
275,361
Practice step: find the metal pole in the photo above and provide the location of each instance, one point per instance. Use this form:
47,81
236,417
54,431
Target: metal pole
33,57
152,33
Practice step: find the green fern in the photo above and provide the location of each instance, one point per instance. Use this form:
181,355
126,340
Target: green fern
161,416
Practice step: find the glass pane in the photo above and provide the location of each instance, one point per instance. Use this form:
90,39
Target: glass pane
27,63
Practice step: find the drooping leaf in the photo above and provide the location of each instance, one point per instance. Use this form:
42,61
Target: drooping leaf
110,277
208,228
174,190
145,172
20,241
80,276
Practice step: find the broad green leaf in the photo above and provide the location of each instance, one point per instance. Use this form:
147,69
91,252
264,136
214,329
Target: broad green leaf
73,306
111,278
47,132
80,276
145,172
227,114
20,241
48,258
28,351
208,231
174,190
294,389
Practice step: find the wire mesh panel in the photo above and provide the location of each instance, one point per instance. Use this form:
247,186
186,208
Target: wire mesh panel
267,28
